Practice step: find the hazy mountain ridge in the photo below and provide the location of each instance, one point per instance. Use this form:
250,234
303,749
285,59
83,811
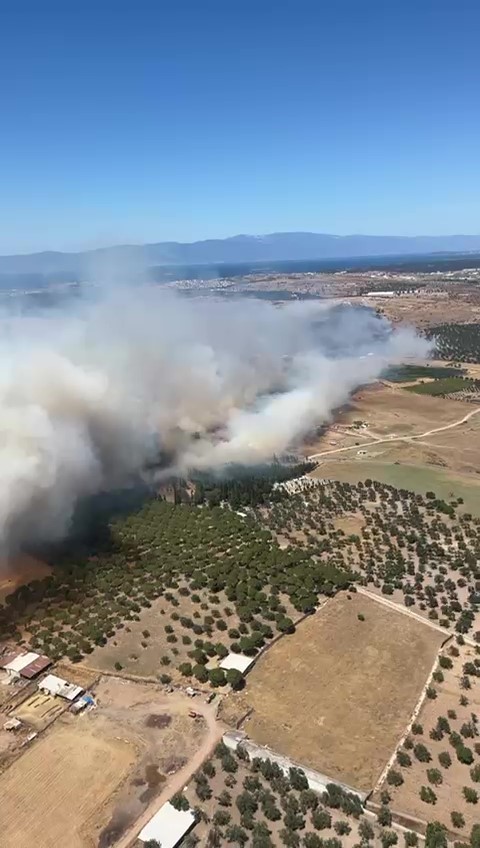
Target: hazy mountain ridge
240,248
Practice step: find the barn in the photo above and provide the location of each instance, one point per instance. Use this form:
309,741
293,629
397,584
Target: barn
168,826
26,664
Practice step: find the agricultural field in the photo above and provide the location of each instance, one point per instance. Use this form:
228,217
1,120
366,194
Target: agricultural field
227,570
337,695
144,735
437,771
415,478
420,551
58,791
240,802
411,373
445,386
457,342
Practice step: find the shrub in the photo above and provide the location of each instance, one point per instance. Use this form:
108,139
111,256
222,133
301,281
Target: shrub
422,753
445,759
434,776
321,819
179,801
394,778
428,795
384,817
465,755
475,773
470,795
457,820
404,759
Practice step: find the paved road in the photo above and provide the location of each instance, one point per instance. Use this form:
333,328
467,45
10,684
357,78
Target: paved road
394,438
182,777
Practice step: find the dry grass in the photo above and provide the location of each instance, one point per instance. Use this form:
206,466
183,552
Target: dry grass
338,693
406,798
55,793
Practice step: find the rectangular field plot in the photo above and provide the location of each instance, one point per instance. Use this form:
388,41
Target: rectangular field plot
338,693
56,792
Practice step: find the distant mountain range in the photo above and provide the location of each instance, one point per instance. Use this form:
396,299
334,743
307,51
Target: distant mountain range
274,247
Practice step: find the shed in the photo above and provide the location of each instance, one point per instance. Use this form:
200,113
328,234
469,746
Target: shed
57,686
24,664
168,826
238,661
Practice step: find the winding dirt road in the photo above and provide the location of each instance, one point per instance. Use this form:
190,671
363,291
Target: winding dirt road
184,775
395,438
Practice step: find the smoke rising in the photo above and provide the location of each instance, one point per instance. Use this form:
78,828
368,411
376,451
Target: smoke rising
92,393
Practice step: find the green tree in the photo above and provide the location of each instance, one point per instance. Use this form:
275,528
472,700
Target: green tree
384,816
470,795
445,759
394,778
365,831
217,677
436,835
428,795
434,776
179,801
321,819
458,820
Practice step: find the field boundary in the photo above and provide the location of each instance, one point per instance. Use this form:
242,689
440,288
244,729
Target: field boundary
317,781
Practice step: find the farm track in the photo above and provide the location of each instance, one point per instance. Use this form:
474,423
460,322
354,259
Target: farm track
394,438
184,775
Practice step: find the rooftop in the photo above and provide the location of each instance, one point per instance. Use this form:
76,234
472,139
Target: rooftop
168,826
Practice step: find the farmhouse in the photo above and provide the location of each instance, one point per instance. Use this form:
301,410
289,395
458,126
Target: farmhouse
27,664
53,685
238,661
168,826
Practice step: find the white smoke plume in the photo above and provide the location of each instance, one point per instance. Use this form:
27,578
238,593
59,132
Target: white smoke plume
90,394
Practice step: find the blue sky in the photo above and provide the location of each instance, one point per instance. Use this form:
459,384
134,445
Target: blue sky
152,120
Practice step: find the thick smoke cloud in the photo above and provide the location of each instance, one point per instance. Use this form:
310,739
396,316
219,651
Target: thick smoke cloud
90,395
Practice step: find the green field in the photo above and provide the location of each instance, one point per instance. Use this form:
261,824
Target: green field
416,478
411,373
442,387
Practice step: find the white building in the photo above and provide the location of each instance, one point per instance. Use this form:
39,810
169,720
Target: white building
168,826
53,685
238,661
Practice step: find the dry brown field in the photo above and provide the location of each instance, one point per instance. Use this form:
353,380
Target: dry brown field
389,410
337,694
18,570
89,778
56,792
428,309
406,798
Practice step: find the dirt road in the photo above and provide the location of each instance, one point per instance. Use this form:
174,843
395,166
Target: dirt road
395,438
182,777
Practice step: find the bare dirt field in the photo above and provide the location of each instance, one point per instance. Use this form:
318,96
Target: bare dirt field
105,768
55,793
338,693
449,794
388,410
427,309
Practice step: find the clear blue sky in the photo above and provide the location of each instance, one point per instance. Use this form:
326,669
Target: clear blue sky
148,120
